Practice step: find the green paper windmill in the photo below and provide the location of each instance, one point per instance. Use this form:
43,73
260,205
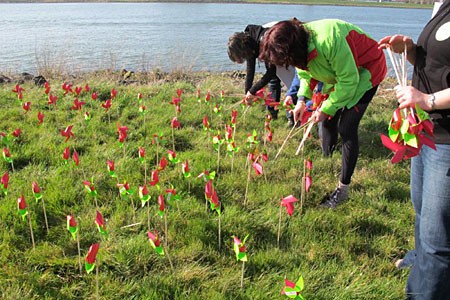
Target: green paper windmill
292,290
72,226
155,242
240,249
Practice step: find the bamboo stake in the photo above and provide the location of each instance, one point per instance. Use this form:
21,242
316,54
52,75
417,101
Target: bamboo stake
31,230
305,136
45,215
79,254
97,295
285,140
242,274
248,181
279,227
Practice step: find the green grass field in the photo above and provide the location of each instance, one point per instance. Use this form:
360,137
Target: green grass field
347,253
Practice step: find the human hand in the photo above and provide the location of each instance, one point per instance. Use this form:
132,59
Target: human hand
397,43
249,98
288,103
298,111
319,116
409,96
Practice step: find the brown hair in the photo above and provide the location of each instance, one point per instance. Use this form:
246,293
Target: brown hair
240,47
286,44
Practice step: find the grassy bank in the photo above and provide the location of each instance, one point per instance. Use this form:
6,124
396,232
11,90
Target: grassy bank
347,253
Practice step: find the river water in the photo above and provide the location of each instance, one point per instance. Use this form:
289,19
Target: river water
144,36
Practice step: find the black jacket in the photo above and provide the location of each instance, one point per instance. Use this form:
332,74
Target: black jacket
432,67
256,32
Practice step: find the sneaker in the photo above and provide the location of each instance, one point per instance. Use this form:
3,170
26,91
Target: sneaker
290,123
334,199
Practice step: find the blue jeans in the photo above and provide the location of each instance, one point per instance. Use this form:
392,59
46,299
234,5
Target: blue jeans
430,194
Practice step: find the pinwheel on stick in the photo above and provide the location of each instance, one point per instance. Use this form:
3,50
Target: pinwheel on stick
23,211
241,254
72,227
409,128
38,196
287,202
292,290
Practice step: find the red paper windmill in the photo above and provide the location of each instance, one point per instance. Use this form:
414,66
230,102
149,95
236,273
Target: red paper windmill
288,202
67,133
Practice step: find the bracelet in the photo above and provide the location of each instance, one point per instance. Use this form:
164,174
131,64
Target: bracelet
431,100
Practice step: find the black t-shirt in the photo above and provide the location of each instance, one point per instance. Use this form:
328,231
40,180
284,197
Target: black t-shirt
256,32
432,67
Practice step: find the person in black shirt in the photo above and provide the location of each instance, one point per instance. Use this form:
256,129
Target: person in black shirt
244,47
430,171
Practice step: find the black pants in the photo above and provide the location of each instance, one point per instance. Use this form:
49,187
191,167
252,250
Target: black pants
275,89
346,123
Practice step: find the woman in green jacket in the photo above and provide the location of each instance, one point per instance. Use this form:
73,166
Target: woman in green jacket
343,57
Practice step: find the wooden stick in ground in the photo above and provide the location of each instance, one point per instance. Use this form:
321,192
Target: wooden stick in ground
279,227
79,254
305,136
242,274
285,140
303,191
97,294
31,231
220,228
248,182
45,215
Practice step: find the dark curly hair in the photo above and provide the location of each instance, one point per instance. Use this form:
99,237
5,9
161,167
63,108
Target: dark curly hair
286,44
241,47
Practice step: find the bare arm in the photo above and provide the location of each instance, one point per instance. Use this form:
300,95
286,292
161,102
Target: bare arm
408,96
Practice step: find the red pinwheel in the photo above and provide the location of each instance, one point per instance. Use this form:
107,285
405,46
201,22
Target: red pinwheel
76,158
26,106
87,88
185,169
161,209
66,153
72,226
122,130
125,190
4,182
16,133
409,130
288,202
233,117
7,155
172,156
209,189
91,257
47,88
52,100
113,93
22,206
94,96
155,178
239,248
179,92
67,87
101,226
176,102
110,165
198,95
155,242
90,188
144,195
67,133
292,290
270,101
162,164
40,117
77,105
205,123
107,105
36,191
18,90
207,97
78,90
175,124
141,153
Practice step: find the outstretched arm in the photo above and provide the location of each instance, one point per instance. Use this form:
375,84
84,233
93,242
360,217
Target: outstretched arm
398,43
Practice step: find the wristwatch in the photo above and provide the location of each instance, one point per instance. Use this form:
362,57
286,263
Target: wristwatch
431,99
